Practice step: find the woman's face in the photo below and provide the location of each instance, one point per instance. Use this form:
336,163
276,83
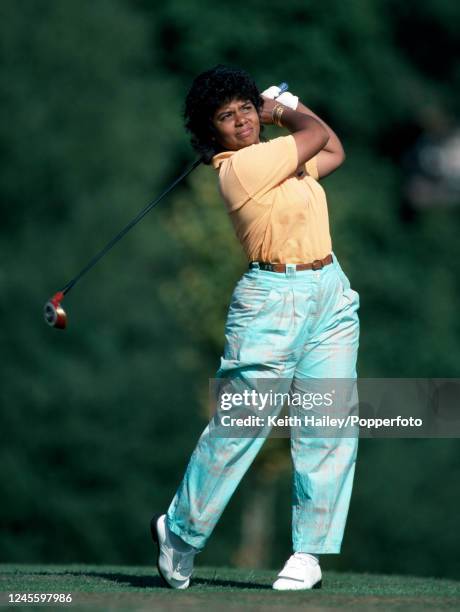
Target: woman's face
237,124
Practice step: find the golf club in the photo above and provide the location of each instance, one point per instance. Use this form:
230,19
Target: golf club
53,312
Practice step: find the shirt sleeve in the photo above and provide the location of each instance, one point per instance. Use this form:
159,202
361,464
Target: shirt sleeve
312,167
265,165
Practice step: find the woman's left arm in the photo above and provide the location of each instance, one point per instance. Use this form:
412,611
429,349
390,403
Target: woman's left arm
333,155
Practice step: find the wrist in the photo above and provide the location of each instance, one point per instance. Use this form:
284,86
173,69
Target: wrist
277,113
288,99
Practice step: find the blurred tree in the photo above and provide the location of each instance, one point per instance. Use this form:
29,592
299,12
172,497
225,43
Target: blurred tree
92,418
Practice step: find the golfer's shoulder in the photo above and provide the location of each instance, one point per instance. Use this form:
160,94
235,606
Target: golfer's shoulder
256,168
269,151
266,164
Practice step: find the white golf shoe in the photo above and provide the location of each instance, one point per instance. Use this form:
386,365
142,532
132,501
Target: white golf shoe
174,566
299,572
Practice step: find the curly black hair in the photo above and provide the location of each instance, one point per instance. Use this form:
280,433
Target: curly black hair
210,90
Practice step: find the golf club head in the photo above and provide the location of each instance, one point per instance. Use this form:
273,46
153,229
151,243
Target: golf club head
54,313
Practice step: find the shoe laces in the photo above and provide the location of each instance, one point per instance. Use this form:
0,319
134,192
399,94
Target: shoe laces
299,560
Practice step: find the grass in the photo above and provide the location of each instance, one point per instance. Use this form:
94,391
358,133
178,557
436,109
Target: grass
100,587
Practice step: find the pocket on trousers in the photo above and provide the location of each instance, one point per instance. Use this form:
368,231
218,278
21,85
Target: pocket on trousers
349,294
251,324
248,303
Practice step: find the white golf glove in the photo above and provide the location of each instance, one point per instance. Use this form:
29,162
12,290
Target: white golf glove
285,98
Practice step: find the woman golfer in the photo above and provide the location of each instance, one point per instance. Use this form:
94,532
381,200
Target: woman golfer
292,318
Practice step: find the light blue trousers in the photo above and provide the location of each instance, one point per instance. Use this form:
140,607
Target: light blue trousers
290,326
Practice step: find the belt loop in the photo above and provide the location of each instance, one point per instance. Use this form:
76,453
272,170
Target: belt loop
290,269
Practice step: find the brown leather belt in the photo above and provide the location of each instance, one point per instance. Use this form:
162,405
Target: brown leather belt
279,267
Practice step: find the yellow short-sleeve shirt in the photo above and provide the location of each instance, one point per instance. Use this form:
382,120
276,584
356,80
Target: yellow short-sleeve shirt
278,216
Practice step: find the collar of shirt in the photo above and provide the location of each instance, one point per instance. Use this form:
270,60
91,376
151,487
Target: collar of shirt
218,159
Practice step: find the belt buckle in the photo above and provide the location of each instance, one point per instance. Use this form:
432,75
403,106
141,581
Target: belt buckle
317,264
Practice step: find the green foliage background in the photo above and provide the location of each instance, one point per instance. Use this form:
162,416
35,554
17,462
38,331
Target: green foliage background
97,422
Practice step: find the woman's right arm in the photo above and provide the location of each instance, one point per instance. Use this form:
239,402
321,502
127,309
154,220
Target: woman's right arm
309,134
333,155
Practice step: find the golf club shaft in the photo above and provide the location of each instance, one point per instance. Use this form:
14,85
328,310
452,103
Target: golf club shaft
125,230
58,296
